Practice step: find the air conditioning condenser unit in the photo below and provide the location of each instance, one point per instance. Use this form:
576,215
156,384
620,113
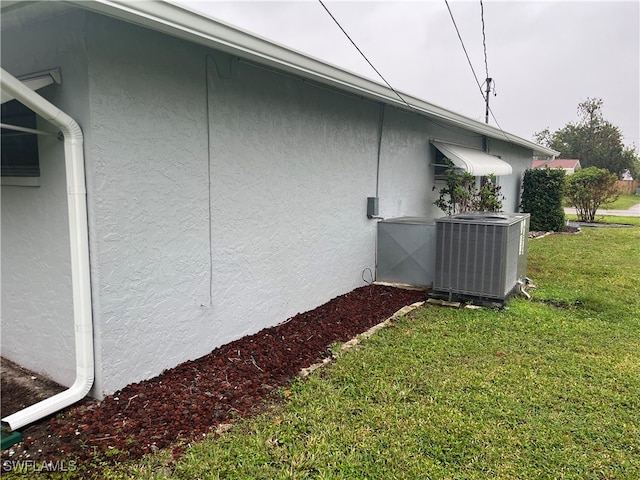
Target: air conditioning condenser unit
481,255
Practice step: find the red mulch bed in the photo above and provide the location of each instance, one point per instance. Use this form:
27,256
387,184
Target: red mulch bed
190,400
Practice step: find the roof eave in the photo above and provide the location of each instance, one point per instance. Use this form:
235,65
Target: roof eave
182,23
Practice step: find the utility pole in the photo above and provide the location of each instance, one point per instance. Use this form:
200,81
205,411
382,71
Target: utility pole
486,98
485,140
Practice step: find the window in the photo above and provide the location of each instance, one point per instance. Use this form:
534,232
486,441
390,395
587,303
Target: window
442,165
19,149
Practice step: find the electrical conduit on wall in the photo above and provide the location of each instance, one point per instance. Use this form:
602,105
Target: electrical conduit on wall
79,243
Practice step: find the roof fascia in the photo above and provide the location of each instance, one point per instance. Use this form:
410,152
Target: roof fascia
180,22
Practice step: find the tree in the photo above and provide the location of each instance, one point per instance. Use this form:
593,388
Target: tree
588,189
592,140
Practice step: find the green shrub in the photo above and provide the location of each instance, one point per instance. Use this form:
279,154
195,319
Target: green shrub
542,198
489,197
461,194
588,189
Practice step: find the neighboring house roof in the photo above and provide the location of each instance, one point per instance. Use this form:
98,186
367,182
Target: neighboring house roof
183,23
565,163
539,163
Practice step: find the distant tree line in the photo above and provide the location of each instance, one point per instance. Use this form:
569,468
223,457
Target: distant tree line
593,140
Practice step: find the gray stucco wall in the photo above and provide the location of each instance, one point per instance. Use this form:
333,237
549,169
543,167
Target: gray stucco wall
37,315
405,169
291,168
520,160
222,197
148,203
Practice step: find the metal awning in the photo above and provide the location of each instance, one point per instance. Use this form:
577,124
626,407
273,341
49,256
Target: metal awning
36,81
476,162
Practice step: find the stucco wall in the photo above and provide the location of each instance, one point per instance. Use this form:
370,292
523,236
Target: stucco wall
37,314
222,197
292,166
148,193
405,170
520,160
197,246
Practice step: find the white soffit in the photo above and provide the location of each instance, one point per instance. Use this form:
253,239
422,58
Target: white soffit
476,162
36,81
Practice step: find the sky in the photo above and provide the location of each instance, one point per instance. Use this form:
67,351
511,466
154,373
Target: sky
545,57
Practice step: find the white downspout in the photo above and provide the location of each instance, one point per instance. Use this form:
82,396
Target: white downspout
79,243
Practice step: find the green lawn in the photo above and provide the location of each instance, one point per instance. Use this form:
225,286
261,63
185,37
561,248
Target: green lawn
623,203
544,389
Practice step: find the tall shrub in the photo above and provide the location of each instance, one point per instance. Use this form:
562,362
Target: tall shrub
489,197
589,188
461,195
457,196
542,198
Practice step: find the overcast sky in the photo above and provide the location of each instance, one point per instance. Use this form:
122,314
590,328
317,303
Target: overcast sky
545,57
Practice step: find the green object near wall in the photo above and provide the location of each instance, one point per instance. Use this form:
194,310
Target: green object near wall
10,438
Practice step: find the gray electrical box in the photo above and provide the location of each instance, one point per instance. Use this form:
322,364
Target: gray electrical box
481,255
372,206
405,252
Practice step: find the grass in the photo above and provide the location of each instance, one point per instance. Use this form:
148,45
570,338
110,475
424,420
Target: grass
547,388
609,219
625,202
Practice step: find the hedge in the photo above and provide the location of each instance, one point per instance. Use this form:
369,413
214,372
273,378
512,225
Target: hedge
542,198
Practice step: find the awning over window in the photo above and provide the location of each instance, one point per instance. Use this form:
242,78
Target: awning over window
476,162
36,81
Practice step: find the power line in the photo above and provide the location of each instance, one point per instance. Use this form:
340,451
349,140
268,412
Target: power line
471,65
464,48
488,79
365,57
486,69
485,97
497,124
389,85
484,41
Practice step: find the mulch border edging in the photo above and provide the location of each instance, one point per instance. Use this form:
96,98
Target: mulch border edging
305,372
536,237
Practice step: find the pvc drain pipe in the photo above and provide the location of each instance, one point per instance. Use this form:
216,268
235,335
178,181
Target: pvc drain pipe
79,243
